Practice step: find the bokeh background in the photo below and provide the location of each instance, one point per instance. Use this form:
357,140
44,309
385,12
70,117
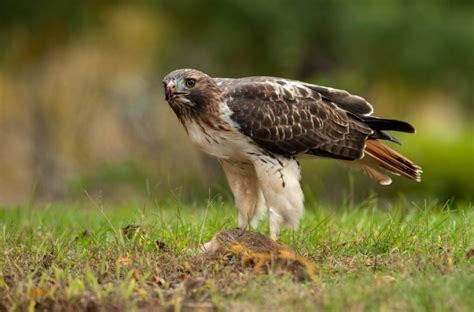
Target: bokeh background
82,109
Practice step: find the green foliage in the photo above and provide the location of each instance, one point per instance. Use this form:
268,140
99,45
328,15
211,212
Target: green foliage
425,43
110,175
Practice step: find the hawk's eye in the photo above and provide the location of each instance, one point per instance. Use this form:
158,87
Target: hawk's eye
190,82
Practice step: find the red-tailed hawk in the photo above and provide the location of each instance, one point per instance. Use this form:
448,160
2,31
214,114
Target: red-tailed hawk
258,126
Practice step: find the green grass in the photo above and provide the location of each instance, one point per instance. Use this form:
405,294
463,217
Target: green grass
76,256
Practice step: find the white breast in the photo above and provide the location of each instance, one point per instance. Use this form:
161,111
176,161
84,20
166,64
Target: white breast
220,143
225,144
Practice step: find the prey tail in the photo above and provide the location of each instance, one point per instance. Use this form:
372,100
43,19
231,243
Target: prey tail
380,158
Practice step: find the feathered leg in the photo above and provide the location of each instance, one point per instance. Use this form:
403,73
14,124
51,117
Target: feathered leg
246,190
279,179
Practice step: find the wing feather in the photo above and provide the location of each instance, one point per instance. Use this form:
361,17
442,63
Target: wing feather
352,103
288,117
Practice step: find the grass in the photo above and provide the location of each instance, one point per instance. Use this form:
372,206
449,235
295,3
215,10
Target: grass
78,257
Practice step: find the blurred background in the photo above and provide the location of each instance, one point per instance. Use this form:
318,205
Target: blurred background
82,109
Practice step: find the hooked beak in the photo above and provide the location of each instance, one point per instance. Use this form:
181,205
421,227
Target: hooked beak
171,93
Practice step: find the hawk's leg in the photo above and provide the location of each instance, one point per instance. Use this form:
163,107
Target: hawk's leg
279,179
248,197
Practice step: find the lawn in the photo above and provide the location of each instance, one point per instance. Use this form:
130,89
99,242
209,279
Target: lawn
138,255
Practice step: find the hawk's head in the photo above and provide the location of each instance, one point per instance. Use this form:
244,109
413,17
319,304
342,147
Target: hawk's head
189,90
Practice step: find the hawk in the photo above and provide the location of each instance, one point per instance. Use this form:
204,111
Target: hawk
257,127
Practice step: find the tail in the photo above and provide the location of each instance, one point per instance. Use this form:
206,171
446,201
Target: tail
381,126
383,158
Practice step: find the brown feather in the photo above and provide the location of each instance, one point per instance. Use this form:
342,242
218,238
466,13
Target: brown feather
294,120
392,161
376,175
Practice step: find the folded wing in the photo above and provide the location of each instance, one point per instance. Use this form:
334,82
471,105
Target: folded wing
288,118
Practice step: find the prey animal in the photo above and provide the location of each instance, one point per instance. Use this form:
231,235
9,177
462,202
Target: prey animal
258,127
